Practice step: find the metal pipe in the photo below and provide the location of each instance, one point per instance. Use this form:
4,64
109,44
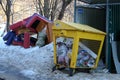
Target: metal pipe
107,36
106,4
74,10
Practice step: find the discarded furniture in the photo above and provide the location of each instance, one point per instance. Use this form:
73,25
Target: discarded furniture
29,26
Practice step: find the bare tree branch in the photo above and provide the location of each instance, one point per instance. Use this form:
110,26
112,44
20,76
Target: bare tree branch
40,7
53,8
7,10
53,11
46,8
65,4
2,6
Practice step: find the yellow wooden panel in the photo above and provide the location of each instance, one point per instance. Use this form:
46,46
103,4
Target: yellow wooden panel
84,28
60,25
74,26
74,52
85,35
91,36
99,52
55,49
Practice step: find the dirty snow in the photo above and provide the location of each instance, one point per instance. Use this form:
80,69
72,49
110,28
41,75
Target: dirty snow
28,73
36,64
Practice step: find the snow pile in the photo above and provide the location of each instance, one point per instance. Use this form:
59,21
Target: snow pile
34,59
37,63
28,73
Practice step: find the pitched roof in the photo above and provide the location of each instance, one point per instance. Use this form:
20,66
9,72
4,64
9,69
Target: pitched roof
75,26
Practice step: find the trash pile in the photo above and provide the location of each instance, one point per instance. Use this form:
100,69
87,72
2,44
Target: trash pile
21,33
41,39
84,59
64,51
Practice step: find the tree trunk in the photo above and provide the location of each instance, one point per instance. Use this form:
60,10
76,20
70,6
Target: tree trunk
46,8
65,4
61,14
8,11
8,23
52,9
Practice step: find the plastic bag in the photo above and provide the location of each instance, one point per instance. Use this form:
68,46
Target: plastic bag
41,39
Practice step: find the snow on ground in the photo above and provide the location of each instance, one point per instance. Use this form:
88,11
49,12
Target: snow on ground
36,63
30,60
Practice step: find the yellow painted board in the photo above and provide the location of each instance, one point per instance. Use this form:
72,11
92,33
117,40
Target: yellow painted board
75,26
59,25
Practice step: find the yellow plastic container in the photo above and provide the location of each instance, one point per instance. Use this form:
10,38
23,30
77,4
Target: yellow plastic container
84,39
